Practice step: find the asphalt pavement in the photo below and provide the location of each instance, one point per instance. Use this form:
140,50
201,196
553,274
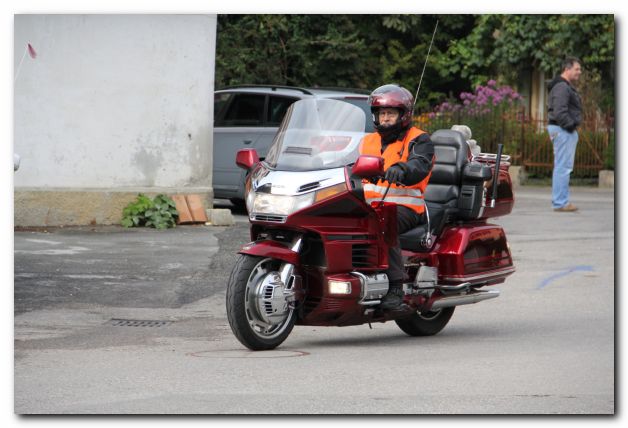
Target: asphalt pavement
128,321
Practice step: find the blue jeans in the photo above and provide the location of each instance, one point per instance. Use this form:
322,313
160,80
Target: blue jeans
564,154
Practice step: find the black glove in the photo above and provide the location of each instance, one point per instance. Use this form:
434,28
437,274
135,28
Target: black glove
394,174
570,128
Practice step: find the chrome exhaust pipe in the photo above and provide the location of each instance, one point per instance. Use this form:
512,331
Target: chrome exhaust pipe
464,299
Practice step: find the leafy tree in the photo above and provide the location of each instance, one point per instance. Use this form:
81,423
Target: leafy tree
300,50
350,51
504,44
366,51
408,41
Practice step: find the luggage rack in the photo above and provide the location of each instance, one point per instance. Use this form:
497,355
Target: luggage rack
490,157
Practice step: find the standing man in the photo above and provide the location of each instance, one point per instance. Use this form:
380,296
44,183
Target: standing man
565,114
408,156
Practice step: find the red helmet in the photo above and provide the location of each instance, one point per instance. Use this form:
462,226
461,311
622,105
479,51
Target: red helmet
393,96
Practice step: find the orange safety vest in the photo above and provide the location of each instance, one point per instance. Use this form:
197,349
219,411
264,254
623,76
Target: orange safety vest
409,196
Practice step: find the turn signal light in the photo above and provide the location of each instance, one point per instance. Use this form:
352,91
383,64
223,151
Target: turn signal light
328,192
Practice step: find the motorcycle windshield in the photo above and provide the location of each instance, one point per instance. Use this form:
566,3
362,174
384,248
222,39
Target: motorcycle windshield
317,134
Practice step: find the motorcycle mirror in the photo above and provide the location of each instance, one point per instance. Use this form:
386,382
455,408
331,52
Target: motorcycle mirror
368,166
246,158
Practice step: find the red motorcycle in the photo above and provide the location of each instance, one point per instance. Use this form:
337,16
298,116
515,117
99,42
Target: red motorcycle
319,252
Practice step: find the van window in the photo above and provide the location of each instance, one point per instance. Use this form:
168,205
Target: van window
364,105
221,101
245,110
277,108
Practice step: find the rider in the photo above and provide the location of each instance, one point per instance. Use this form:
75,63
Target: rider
408,156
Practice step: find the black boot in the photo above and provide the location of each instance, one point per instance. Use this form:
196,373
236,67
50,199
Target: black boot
393,300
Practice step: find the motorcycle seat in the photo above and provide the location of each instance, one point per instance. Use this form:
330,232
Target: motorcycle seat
439,214
443,189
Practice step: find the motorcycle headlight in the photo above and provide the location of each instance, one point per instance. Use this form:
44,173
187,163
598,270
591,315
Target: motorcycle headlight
266,203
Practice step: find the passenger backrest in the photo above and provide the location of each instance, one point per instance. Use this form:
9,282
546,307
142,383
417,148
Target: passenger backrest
451,152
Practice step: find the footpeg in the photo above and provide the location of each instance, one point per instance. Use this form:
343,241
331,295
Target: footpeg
401,308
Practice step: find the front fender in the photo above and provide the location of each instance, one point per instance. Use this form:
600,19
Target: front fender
271,249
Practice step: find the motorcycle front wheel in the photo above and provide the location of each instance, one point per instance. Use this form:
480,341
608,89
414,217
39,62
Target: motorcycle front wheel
426,324
245,316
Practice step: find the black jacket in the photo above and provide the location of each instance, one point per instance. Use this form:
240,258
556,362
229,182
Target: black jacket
564,107
420,159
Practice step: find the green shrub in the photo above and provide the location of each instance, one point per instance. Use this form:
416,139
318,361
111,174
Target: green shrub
160,212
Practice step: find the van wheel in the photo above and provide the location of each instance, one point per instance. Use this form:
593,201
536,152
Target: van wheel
426,324
238,204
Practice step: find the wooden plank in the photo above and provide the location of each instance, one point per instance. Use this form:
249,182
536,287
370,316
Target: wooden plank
196,207
182,207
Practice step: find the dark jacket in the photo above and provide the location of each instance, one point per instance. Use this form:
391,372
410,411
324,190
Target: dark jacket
564,107
420,159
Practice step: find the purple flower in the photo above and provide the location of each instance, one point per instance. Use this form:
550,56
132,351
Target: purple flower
483,100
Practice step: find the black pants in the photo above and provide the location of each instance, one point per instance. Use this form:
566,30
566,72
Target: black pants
406,219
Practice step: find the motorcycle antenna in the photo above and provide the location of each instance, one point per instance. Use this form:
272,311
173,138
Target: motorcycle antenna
425,64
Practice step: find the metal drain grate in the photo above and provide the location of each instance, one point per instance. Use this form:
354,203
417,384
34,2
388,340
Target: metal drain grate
137,323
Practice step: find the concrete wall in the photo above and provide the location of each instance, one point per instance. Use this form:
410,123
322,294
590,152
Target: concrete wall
110,105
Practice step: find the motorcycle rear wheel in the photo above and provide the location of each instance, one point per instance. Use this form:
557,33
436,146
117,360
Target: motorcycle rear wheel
247,325
426,324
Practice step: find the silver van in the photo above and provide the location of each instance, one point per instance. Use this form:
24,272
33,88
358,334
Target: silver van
248,117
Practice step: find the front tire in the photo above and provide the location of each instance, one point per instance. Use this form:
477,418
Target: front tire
426,324
245,319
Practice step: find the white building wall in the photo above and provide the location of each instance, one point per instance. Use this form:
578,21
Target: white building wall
114,102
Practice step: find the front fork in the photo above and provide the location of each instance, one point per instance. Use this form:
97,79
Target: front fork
291,283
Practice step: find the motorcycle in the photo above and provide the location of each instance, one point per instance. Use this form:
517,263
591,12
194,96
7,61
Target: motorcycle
319,252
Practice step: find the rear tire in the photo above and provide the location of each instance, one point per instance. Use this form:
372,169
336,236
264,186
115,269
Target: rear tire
427,324
247,324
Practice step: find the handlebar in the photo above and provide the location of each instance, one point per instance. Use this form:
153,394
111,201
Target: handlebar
384,197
